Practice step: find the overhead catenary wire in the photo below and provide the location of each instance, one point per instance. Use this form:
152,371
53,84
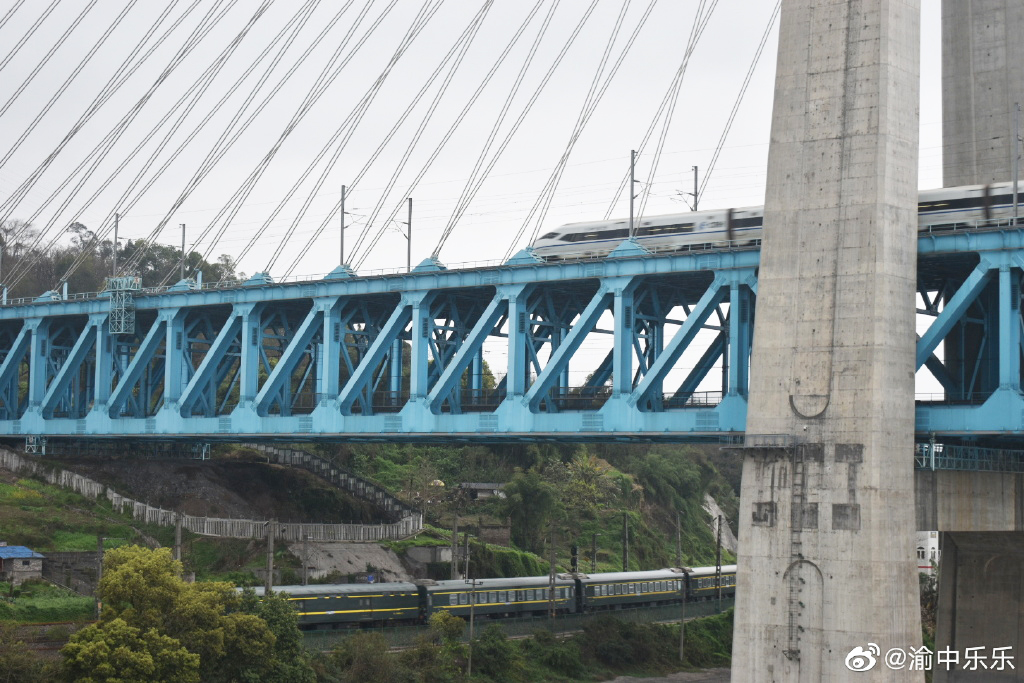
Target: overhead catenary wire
10,13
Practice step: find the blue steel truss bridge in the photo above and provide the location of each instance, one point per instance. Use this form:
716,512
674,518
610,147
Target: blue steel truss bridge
402,357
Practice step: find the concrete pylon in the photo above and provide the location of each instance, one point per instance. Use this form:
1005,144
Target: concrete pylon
981,573
826,556
982,78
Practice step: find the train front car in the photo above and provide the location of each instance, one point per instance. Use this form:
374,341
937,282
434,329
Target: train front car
496,598
347,605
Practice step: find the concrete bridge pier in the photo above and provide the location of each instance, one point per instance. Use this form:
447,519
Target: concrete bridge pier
826,562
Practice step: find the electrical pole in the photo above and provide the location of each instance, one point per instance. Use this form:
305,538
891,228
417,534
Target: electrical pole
632,195
551,572
718,564
695,193
113,271
625,542
99,574
305,558
177,537
682,614
1016,160
593,555
342,234
268,585
408,245
182,251
466,552
455,546
679,540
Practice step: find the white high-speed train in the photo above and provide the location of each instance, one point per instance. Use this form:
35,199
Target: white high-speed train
942,209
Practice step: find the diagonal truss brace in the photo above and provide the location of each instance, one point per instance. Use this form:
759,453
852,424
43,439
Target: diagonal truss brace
79,352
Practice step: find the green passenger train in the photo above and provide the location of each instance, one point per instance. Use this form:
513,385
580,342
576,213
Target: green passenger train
331,606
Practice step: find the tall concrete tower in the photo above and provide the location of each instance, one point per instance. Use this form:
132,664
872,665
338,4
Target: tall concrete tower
982,78
826,560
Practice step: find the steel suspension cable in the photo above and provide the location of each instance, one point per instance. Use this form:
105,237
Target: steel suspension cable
591,101
64,86
234,203
123,73
417,136
527,107
438,148
348,127
670,95
695,34
539,207
28,34
233,131
103,148
46,58
200,87
739,99
425,14
9,13
474,181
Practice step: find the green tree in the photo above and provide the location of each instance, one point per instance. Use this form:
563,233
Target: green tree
149,610
530,503
112,651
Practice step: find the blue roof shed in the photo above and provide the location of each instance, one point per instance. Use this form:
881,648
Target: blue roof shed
11,552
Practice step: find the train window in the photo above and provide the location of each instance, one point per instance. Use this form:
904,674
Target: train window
550,236
463,598
632,588
453,599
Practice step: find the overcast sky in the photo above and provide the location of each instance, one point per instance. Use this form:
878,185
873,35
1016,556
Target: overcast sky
597,163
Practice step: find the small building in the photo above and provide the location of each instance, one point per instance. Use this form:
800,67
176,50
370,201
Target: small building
19,564
480,491
927,551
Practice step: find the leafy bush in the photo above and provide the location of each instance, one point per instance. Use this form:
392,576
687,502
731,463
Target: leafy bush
496,656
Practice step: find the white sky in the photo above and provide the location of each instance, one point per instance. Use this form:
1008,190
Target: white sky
597,163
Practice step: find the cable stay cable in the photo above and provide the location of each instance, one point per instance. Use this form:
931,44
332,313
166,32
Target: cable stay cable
233,130
739,99
235,202
539,208
322,83
426,12
348,127
49,55
474,181
205,81
329,217
698,29
671,94
185,104
64,86
467,40
28,34
103,148
9,13
593,98
456,55
527,108
100,151
127,68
